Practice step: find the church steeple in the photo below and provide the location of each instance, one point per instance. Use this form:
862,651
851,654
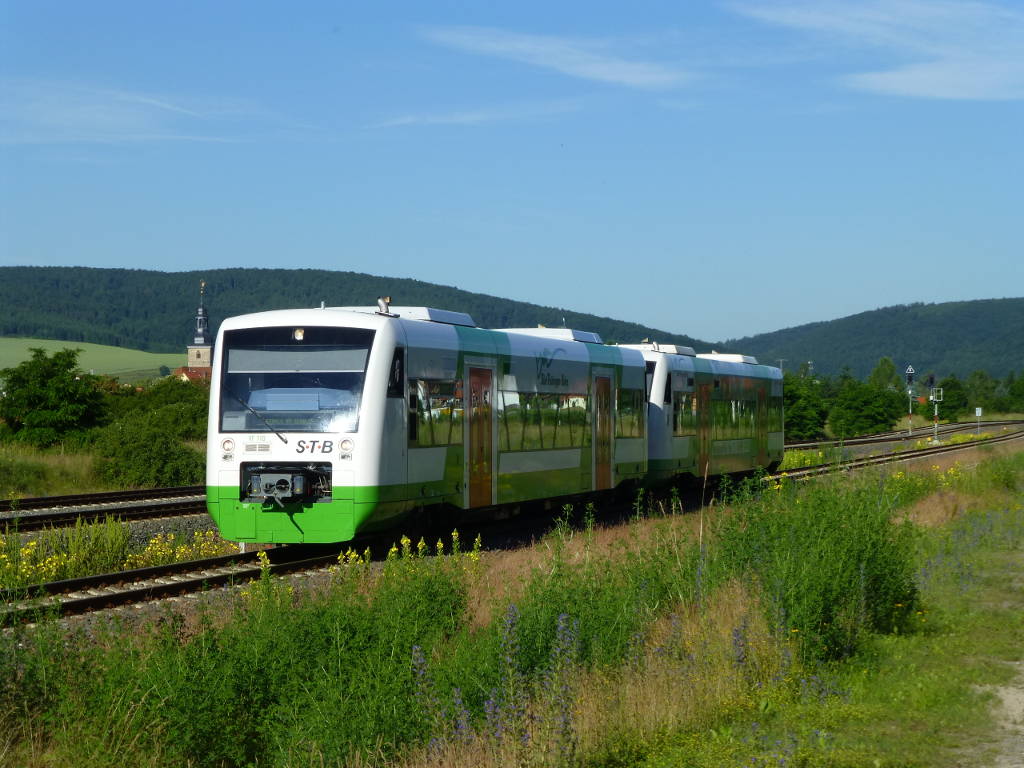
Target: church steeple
202,320
200,351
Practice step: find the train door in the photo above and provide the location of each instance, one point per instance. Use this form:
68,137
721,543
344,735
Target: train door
704,429
602,432
480,448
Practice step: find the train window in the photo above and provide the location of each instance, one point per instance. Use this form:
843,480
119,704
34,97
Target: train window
413,418
532,421
438,410
684,414
667,397
775,414
630,414
396,379
689,381
272,381
651,365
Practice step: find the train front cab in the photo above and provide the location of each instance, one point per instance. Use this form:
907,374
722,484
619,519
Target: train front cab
297,412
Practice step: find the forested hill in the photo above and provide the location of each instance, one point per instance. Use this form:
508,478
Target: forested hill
155,311
949,338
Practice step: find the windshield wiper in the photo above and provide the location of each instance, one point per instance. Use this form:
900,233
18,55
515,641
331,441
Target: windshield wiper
258,415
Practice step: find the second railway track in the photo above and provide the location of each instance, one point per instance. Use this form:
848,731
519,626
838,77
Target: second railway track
73,515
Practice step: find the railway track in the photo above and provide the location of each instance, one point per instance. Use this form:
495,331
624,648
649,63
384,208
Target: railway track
895,458
93,593
110,497
921,433
73,516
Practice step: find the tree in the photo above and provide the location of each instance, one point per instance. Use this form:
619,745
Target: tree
1015,391
885,375
860,409
954,399
981,390
805,409
46,398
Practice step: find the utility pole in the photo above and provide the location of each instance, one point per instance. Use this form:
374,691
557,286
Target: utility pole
781,361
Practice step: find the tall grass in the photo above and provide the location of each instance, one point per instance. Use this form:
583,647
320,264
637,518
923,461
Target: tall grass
62,553
596,656
93,548
832,563
28,471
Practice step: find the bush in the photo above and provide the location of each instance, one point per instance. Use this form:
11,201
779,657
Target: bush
145,450
182,406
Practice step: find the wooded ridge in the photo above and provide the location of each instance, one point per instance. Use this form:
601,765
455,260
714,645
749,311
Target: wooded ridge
154,311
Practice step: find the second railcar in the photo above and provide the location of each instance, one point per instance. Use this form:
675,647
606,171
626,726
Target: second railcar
710,414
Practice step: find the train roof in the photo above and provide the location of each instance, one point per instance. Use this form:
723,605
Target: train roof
563,334
726,357
430,314
668,349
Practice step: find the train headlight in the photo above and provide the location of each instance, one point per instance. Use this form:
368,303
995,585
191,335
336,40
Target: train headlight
298,334
347,445
228,445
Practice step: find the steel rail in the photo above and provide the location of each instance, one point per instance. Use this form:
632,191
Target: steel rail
891,437
109,497
896,457
93,593
70,517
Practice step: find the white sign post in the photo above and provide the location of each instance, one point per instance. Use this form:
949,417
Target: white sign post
977,415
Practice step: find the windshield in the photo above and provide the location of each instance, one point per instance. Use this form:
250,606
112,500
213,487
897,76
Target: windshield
293,379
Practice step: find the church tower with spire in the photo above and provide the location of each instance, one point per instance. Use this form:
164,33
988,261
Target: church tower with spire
200,351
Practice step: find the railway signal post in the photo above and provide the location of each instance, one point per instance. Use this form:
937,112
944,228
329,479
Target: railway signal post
936,398
910,400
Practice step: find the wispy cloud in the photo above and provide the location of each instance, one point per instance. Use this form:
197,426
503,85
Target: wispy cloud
484,115
950,49
584,59
49,112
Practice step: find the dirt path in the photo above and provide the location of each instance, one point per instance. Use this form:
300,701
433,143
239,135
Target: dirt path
1008,709
1010,716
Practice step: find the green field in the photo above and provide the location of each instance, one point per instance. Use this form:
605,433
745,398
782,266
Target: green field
126,364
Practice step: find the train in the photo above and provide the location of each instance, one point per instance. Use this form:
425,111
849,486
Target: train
327,423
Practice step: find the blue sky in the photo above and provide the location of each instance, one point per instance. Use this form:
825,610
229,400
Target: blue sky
716,169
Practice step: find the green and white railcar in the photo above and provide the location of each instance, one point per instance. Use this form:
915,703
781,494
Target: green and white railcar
325,423
710,414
